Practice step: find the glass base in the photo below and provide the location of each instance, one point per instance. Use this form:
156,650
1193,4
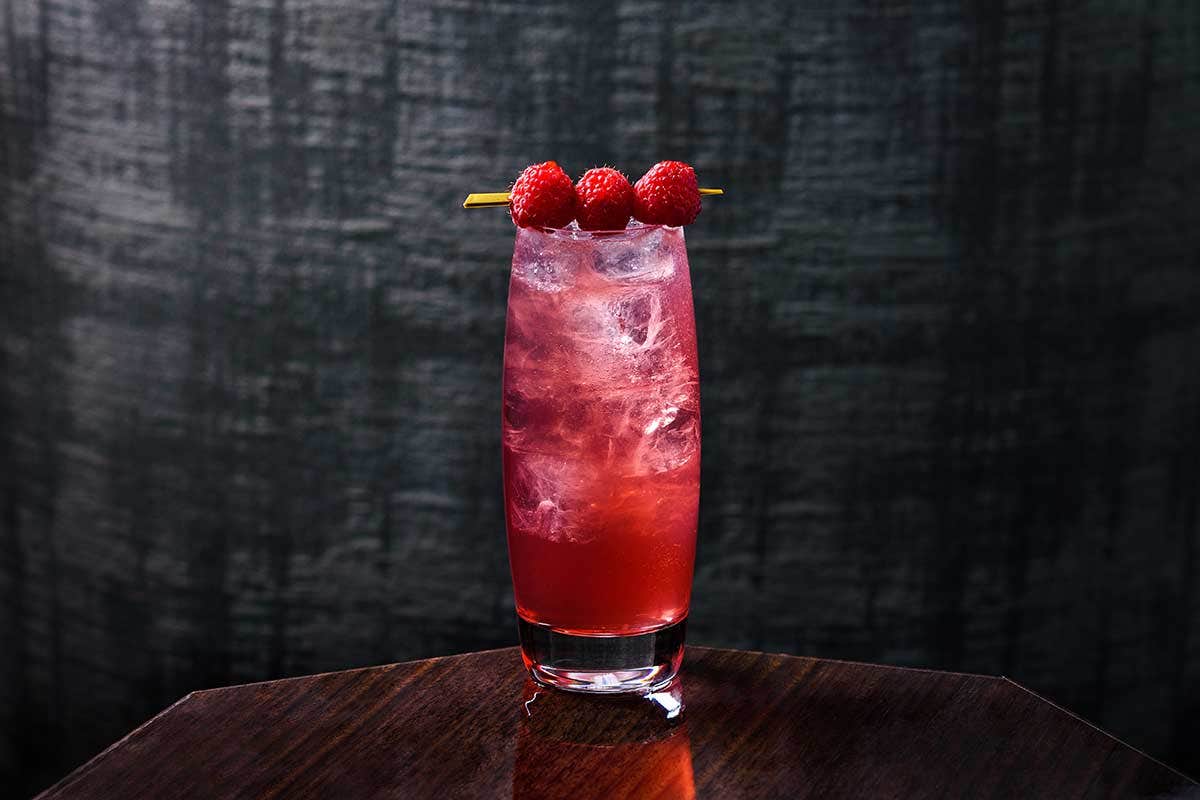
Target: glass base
643,662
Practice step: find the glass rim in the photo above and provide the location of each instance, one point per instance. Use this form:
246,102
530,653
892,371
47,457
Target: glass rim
579,235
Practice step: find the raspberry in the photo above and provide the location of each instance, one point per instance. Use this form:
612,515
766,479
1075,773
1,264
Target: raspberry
605,200
667,195
543,196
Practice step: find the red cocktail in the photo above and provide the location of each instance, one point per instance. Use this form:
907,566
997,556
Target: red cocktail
601,453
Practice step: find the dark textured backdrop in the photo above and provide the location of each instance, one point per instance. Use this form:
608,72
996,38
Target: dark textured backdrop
250,346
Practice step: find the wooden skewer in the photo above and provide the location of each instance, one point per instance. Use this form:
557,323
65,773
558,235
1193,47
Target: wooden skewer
494,199
486,200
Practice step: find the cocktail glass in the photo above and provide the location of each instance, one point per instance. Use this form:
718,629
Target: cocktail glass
601,436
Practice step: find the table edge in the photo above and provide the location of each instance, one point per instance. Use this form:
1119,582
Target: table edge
87,766
1098,729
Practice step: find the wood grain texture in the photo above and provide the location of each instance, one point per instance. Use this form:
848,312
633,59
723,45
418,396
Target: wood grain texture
250,347
753,726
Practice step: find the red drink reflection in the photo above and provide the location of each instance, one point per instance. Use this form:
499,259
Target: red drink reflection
574,748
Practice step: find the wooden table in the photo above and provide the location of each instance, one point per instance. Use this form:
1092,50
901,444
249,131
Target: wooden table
753,726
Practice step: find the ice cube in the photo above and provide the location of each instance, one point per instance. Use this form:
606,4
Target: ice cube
546,264
608,324
670,438
644,339
634,258
544,491
635,315
535,509
519,411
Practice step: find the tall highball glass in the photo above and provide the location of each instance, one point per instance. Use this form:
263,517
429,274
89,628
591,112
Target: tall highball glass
601,436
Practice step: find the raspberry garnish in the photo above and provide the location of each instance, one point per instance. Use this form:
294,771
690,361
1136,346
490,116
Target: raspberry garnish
667,195
605,200
543,195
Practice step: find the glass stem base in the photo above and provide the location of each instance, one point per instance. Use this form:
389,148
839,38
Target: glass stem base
643,662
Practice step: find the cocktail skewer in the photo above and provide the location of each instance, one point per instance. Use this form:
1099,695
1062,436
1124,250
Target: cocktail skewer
494,199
